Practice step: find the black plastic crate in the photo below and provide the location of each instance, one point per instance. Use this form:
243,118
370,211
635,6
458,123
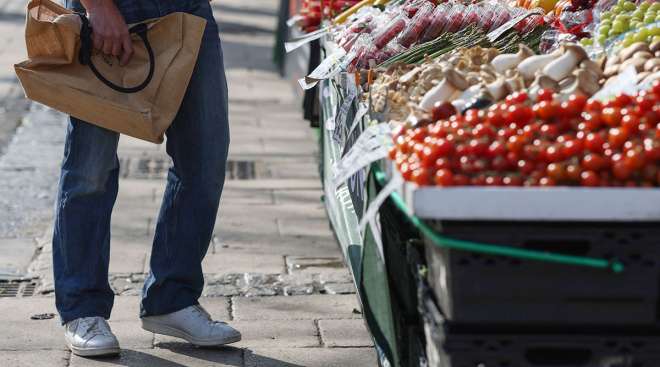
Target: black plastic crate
448,345
477,288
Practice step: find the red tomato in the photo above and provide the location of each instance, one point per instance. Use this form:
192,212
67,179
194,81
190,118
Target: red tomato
512,181
520,115
421,176
572,148
545,110
556,171
593,162
622,100
515,144
444,177
578,101
573,172
589,179
612,116
461,180
545,95
547,181
593,106
630,123
617,136
553,154
393,151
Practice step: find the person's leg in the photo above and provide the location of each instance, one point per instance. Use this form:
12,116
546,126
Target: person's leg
81,241
198,142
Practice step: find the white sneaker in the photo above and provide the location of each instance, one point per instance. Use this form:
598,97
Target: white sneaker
90,337
193,324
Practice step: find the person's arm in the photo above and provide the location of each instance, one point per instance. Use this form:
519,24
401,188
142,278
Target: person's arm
109,30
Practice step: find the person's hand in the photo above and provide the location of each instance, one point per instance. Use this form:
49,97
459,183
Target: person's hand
109,30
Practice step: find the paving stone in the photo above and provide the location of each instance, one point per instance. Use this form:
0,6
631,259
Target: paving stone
339,288
188,357
15,255
131,335
295,307
33,358
305,264
298,196
126,259
20,309
264,334
305,227
31,335
311,357
344,333
230,261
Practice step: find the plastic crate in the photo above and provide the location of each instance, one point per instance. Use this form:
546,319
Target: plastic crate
451,346
477,288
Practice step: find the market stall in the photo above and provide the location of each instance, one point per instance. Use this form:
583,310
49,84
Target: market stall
491,172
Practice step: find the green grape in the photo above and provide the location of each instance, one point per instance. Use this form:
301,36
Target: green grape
644,32
639,37
645,5
627,42
655,7
587,42
656,38
617,9
655,31
620,2
604,30
601,39
618,27
649,19
657,18
635,24
628,6
606,15
606,23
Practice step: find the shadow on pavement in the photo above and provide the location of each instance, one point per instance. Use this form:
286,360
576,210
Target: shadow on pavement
12,17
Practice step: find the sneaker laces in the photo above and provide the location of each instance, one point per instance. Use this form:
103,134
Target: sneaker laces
93,326
198,309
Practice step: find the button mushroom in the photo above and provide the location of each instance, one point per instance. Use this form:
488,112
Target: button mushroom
561,67
452,82
507,61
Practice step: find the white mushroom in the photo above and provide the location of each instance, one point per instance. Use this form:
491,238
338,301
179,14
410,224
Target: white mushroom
498,89
542,82
503,62
584,83
561,67
532,64
452,82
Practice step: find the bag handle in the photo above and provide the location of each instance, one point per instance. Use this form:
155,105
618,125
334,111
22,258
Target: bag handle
85,55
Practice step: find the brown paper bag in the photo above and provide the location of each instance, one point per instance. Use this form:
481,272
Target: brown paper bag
140,99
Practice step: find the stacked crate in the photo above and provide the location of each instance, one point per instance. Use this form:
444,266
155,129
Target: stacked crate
493,311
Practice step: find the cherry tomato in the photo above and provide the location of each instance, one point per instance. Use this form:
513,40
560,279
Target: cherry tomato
392,152
573,172
460,180
617,136
515,144
545,95
569,109
421,176
545,110
572,148
496,148
547,181
494,180
578,101
634,159
556,171
622,100
589,179
553,154
593,162
444,177
512,181
630,123
593,105
612,116
520,115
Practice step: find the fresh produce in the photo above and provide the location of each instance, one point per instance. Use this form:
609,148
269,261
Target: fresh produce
627,23
576,142
643,57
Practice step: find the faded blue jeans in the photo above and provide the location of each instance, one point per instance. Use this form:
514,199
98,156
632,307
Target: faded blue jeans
197,141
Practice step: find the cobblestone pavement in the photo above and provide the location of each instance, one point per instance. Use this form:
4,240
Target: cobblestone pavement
273,268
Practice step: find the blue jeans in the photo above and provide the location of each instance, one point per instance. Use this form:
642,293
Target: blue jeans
197,141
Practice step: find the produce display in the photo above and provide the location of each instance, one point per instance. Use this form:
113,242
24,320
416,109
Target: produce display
511,93
537,143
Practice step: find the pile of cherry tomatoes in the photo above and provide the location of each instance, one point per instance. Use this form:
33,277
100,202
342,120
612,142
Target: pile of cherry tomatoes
546,142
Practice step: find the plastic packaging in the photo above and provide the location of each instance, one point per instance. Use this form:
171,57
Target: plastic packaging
417,25
437,23
390,31
454,18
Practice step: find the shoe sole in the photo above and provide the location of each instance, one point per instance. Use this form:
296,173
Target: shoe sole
159,328
100,352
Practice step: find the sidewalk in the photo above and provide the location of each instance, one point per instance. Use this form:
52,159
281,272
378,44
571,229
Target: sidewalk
273,268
